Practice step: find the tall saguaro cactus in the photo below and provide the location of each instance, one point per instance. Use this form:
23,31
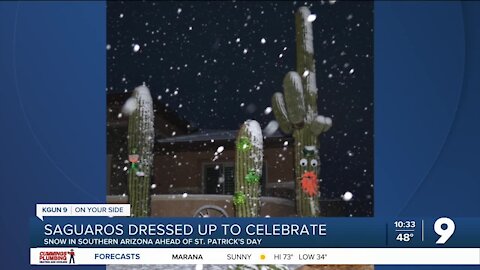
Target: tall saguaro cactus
248,169
140,149
296,112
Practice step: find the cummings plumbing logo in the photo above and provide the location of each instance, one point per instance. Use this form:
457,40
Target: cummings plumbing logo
63,257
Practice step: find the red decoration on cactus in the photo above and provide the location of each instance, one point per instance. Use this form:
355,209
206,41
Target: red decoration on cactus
133,158
309,183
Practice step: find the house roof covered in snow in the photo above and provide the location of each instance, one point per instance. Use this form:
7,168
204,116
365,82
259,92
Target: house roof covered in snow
166,120
208,135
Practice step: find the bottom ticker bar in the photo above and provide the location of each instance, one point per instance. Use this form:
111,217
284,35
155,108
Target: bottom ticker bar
382,256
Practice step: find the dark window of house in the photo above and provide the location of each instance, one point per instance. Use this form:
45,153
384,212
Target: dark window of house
212,179
229,173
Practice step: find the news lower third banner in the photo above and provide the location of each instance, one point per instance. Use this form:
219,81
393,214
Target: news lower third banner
68,234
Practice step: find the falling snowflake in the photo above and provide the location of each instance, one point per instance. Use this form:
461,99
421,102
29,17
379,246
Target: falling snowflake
347,196
271,128
267,110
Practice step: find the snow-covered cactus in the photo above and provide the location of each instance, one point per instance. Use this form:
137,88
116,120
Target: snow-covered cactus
140,150
248,169
296,112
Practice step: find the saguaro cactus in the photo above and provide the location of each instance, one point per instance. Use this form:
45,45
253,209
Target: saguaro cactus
248,169
140,149
296,112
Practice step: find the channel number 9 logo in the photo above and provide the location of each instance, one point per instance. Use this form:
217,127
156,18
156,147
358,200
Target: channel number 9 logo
445,228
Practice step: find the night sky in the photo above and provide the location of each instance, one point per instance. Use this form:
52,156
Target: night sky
218,63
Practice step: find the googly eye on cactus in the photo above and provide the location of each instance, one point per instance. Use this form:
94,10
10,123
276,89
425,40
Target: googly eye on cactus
314,163
303,162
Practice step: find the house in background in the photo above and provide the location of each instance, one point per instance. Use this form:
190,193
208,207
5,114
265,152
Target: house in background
187,170
185,163
191,164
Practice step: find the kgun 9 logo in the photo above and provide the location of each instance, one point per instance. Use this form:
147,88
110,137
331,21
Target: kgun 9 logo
444,227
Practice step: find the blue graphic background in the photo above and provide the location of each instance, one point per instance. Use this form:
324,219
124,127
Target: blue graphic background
52,83
427,93
52,114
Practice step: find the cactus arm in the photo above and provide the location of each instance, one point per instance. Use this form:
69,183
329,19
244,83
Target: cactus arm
320,124
292,85
248,170
280,112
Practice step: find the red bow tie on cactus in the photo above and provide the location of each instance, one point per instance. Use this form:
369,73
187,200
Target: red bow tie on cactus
309,183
